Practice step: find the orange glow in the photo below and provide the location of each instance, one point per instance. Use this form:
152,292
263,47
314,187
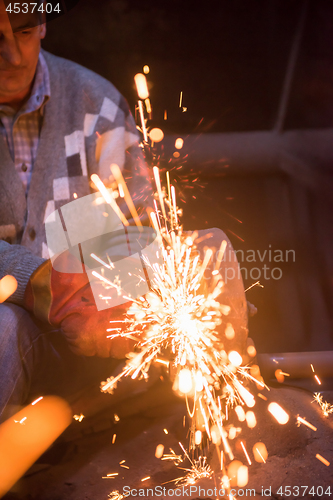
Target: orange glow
179,143
260,452
185,381
278,413
198,437
233,468
279,375
235,358
141,86
251,419
148,105
8,285
21,445
229,331
242,476
159,451
240,413
156,135
251,350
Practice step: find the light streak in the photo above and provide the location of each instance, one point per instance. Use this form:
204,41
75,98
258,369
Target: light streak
246,453
262,396
301,420
36,401
108,197
108,266
323,460
116,172
257,283
317,379
143,122
145,479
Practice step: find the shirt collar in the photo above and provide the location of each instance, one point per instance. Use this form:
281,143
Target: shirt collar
40,92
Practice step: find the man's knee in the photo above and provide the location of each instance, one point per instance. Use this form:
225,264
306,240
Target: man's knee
15,323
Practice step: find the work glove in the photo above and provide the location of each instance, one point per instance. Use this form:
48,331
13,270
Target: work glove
66,301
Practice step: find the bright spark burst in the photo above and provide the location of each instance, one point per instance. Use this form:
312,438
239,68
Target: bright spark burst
115,495
325,407
181,319
200,469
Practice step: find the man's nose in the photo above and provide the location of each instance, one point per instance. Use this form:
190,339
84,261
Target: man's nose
10,52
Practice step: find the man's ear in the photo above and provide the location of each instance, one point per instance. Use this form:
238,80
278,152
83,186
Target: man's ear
42,30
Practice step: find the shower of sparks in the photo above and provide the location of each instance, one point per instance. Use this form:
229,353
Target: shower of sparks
325,407
181,319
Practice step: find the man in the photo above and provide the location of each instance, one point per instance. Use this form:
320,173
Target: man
55,117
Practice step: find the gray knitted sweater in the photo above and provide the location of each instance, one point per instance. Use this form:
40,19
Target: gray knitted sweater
87,126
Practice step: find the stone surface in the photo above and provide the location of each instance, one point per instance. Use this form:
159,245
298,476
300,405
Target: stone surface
76,468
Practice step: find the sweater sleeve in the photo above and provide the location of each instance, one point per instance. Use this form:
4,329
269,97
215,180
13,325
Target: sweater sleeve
19,262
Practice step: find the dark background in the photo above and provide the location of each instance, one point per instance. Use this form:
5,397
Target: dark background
230,58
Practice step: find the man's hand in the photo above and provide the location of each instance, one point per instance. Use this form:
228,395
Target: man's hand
65,300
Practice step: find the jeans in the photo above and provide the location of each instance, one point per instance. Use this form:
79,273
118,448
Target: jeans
35,360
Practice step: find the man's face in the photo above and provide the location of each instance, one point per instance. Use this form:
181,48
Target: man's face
20,37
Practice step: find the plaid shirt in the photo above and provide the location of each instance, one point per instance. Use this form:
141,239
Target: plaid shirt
21,129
